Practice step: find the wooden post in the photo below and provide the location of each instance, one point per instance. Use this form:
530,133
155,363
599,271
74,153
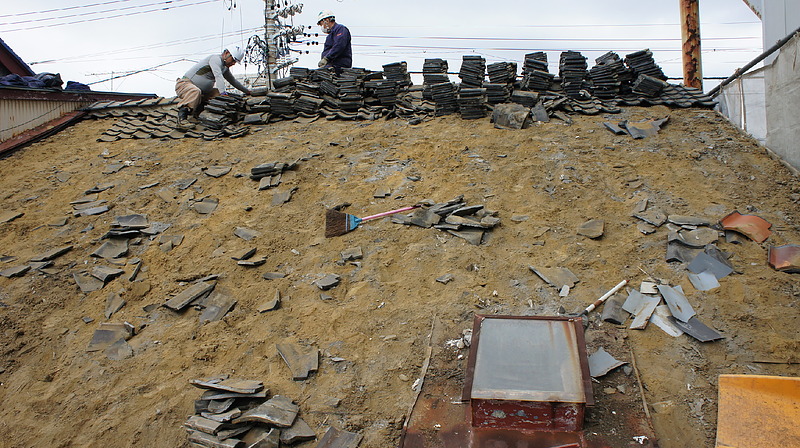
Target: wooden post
690,37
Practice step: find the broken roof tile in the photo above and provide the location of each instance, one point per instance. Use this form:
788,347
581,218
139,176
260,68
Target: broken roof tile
754,227
785,258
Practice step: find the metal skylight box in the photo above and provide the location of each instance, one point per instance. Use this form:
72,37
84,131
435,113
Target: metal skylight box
528,372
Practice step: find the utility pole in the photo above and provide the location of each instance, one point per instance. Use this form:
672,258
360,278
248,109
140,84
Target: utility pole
278,36
690,38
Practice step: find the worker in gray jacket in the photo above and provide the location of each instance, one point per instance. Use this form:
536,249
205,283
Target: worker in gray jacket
206,80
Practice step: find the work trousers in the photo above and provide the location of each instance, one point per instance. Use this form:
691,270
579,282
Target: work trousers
191,96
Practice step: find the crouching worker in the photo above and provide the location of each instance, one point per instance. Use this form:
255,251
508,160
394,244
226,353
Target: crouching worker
205,81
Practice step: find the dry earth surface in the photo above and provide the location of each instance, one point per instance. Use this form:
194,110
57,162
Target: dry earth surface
372,335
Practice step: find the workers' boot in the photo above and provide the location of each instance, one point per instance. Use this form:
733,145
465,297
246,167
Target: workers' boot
183,114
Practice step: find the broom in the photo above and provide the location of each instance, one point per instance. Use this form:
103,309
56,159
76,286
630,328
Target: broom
338,223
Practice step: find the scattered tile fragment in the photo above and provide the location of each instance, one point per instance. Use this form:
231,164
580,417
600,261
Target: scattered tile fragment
698,238
87,282
335,438
278,411
236,385
634,302
134,221
734,237
59,222
16,271
260,437
283,197
119,350
246,234
785,258
696,329
271,304
112,248
273,275
203,425
243,254
472,236
183,184
661,319
150,185
62,177
445,279
189,295
703,262
382,192
704,281
754,227
109,333
52,254
613,312
556,277
298,432
9,216
652,216
424,217
592,229
682,220
99,188
92,211
352,253
648,288
328,281
166,194
114,303
645,228
300,360
217,305
106,273
642,315
678,305
601,362
217,171
206,206
680,252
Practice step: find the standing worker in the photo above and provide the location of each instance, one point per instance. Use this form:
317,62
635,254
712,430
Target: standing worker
205,81
337,52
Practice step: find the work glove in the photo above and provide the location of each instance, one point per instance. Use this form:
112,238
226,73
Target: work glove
323,62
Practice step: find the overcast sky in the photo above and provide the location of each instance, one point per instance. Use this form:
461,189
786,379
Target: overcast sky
161,39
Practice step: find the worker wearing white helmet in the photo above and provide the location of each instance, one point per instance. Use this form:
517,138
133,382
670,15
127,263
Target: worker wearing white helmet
205,80
337,52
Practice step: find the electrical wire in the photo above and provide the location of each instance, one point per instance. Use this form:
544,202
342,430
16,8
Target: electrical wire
91,13
68,8
108,17
553,39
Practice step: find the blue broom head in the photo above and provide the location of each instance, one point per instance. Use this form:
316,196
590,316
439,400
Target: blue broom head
352,222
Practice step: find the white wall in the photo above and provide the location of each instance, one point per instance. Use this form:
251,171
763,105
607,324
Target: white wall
779,18
782,80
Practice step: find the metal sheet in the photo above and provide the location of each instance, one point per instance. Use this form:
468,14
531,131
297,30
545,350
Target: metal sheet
528,360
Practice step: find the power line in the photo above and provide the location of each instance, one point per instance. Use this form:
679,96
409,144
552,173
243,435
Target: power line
108,17
553,39
44,19
63,9
147,47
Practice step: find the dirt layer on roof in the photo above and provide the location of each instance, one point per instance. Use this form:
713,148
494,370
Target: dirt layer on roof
372,331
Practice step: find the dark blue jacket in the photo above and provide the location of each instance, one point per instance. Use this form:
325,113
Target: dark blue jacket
337,47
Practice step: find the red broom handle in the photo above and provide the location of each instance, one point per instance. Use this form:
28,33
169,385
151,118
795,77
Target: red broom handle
391,212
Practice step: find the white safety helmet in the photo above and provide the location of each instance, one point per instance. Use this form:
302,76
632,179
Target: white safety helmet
324,14
237,53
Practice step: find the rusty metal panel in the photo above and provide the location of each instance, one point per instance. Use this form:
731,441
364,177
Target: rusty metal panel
527,415
18,116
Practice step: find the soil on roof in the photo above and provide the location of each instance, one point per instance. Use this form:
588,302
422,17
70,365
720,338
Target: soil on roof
373,333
